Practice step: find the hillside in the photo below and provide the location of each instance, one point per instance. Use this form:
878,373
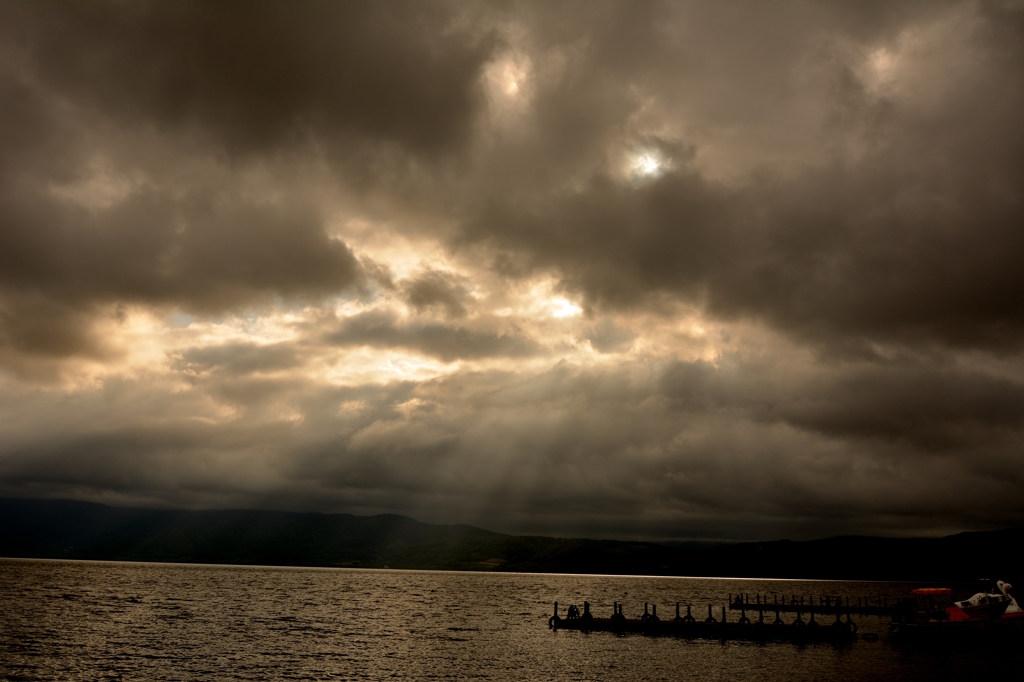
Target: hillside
63,529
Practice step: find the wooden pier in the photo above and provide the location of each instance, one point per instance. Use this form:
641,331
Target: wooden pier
690,627
800,620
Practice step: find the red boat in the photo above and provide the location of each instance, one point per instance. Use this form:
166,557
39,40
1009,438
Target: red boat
935,606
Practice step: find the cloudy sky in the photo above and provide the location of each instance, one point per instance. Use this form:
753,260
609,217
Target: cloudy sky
639,269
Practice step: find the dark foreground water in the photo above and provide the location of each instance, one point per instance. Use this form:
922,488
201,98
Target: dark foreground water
124,621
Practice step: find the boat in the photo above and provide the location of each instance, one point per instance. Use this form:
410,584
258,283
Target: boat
982,606
933,610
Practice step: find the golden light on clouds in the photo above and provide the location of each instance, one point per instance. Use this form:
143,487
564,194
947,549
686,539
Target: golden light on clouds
647,164
442,255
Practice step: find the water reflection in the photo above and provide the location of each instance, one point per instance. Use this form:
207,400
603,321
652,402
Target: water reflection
88,621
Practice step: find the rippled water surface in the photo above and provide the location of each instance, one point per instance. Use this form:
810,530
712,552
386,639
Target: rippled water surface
123,621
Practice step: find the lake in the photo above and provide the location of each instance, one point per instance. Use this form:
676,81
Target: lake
66,620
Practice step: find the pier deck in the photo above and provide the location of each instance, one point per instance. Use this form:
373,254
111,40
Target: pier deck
758,632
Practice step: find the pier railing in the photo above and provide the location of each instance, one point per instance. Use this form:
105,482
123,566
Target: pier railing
825,605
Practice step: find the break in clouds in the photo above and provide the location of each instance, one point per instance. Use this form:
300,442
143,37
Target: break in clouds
638,269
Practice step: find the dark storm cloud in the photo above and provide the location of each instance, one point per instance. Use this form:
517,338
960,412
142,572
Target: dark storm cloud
445,342
686,445
433,289
684,449
204,252
243,77
912,239
607,337
258,74
36,325
931,409
239,358
617,243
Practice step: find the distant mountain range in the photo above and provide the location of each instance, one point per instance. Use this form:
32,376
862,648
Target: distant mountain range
65,529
